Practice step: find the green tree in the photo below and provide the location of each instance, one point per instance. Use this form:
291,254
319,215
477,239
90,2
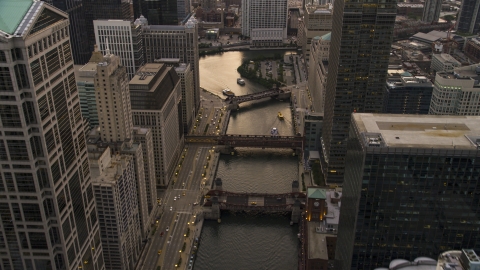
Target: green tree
449,18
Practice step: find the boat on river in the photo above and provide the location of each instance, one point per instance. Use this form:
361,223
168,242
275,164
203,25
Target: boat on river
240,81
228,92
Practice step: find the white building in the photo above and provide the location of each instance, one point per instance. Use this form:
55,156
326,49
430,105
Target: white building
265,21
124,40
115,195
175,41
457,92
155,95
318,70
317,21
47,212
444,62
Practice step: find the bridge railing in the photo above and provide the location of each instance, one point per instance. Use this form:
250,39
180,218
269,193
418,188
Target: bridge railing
215,192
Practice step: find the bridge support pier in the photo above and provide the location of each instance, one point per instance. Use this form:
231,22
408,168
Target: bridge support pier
296,212
233,106
215,211
224,149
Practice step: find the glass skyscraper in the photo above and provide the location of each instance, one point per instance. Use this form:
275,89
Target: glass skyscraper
411,188
48,218
362,34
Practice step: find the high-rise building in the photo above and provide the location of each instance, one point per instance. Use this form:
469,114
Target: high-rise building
468,20
122,38
318,70
265,21
105,10
186,83
407,95
431,10
156,94
78,33
160,12
119,222
443,62
144,136
169,41
47,212
317,21
456,93
362,34
411,188
85,77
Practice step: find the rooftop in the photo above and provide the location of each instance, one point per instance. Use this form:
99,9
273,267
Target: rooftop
424,131
421,263
146,74
443,57
316,193
12,13
408,81
317,242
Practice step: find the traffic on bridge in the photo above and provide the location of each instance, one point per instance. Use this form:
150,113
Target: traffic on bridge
249,141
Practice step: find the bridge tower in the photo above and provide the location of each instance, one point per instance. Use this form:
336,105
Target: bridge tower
295,186
296,212
218,184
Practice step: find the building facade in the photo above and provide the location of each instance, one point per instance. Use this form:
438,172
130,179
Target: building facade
358,62
265,21
167,41
156,94
444,62
431,10
411,188
318,70
457,93
408,95
468,20
186,83
119,222
122,38
144,137
78,38
472,49
317,21
47,212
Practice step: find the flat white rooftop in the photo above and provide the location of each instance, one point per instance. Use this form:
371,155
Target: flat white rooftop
423,131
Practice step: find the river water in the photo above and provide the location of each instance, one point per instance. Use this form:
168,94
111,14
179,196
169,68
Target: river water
249,241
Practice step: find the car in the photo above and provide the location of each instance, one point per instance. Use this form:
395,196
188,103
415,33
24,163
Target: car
159,252
161,234
253,203
183,193
175,198
195,203
168,228
171,208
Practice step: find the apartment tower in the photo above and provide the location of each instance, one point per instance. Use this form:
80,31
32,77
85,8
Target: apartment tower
362,34
411,188
468,20
47,212
431,10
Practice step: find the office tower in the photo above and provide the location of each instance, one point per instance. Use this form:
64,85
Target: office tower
105,10
85,76
186,84
78,34
456,93
144,136
312,131
116,125
115,196
468,20
357,72
411,188
167,41
317,21
407,95
318,70
47,213
443,62
265,21
123,38
431,10
156,94
162,12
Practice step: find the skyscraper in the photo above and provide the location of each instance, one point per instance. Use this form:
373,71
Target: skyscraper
265,21
105,10
124,39
47,211
156,94
408,95
78,33
169,41
411,188
468,20
431,10
361,38
162,12
186,83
